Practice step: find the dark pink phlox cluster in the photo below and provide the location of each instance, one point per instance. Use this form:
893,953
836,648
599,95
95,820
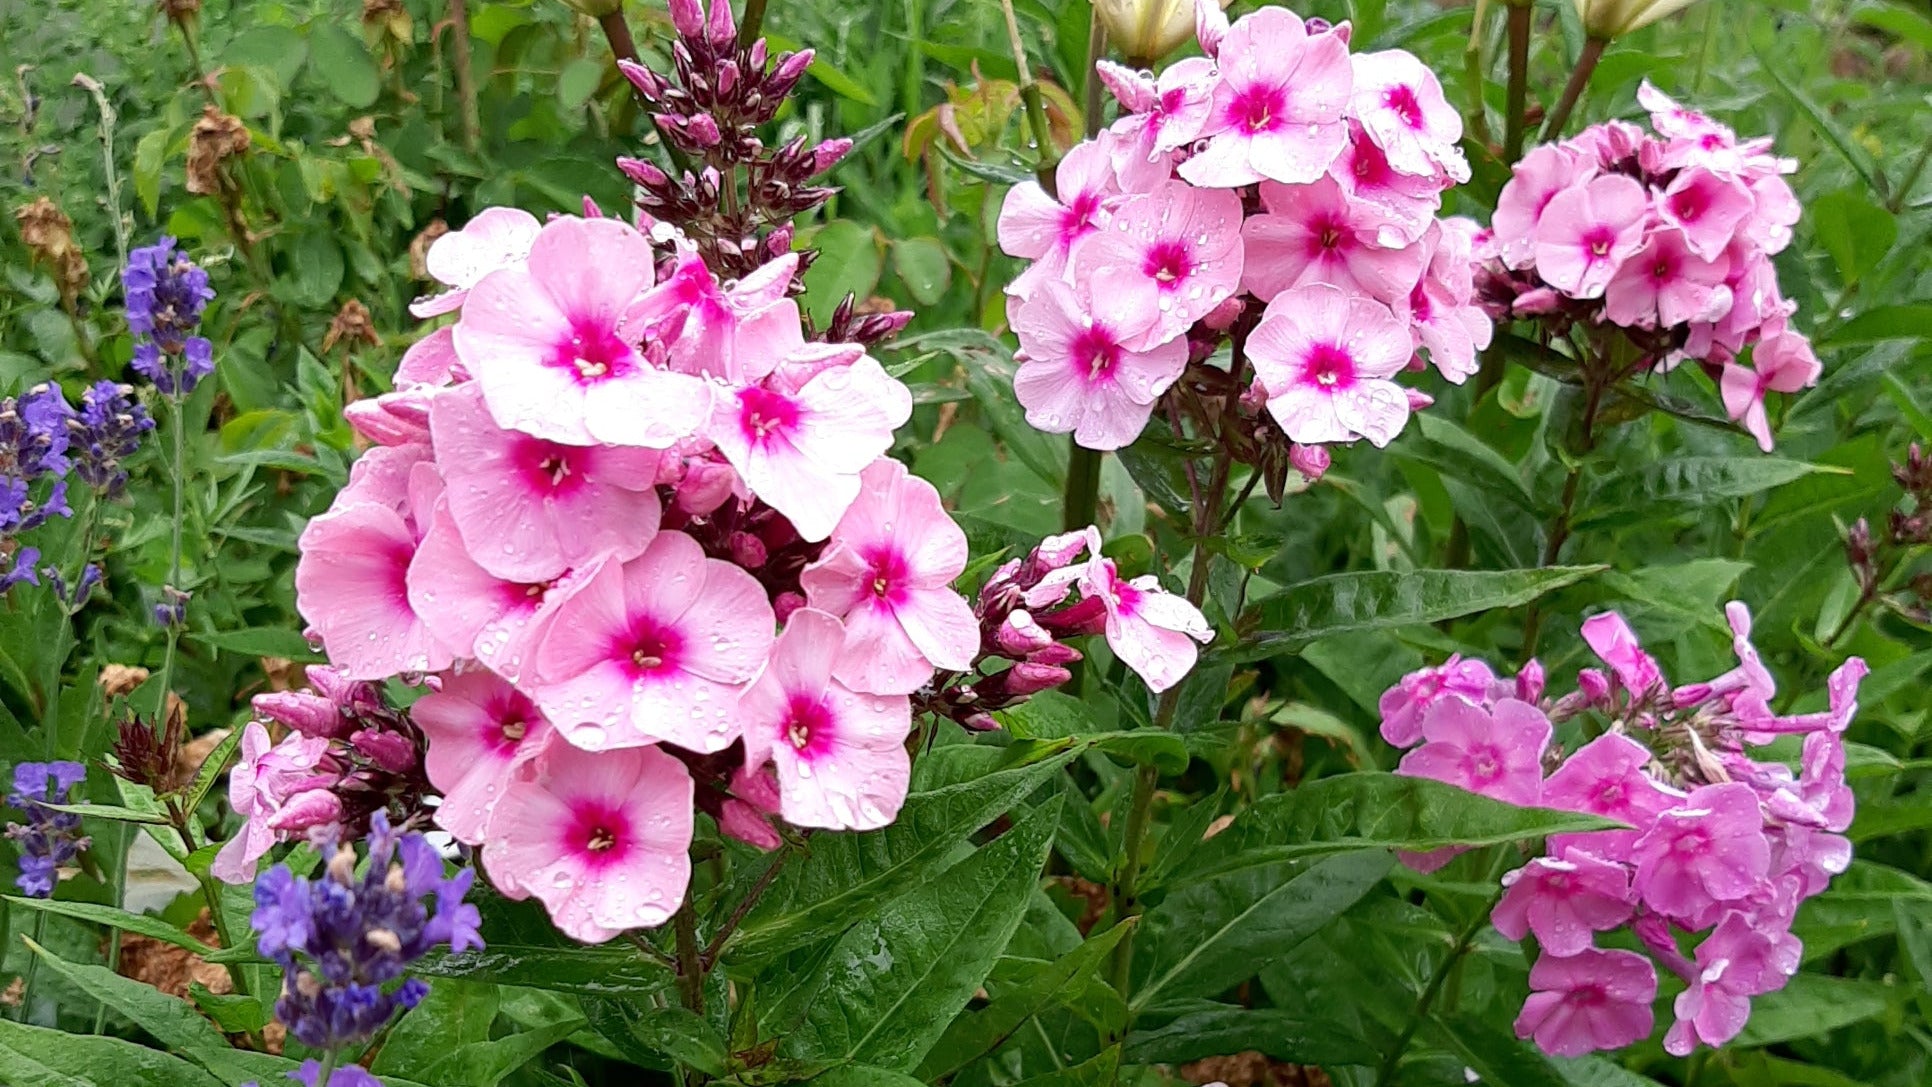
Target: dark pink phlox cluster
1278,189
1720,843
347,754
1667,236
594,499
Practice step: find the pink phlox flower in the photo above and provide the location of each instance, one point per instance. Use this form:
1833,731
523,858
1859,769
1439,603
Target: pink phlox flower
1325,360
655,649
480,729
265,779
1403,705
802,449
1612,639
393,418
718,330
352,580
1775,210
1160,114
554,343
1442,309
1812,856
1710,849
1781,363
1750,674
1564,901
1735,962
1707,207
1210,25
1062,568
1043,228
496,238
1406,203
1151,630
1587,232
1166,260
1673,121
1543,173
431,360
887,572
1589,1001
1664,284
602,839
1399,102
1076,373
840,754
1279,109
1496,752
1315,234
1606,777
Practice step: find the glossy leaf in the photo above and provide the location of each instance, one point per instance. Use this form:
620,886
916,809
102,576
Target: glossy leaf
173,1021
1193,1030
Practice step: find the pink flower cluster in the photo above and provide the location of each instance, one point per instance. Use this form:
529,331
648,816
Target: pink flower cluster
596,500
1279,191
1668,237
1722,846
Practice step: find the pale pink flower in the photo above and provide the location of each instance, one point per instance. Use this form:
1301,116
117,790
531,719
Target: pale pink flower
1159,114
1707,207
1325,360
1586,233
1497,752
1665,284
1043,228
479,730
554,343
721,331
1406,203
655,649
1673,121
1315,234
1783,363
1775,210
1166,260
602,839
1612,639
1709,849
1606,777
1736,962
1443,313
529,508
1278,111
1399,102
266,778
393,418
1151,630
352,581
1403,705
431,360
840,754
888,573
495,238
1543,173
1588,1001
801,448
1077,376
1564,901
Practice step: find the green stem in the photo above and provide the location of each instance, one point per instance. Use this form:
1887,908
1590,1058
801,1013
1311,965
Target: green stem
1595,385
684,925
177,469
1036,118
459,41
1081,504
752,22
1516,110
1385,1075
1579,79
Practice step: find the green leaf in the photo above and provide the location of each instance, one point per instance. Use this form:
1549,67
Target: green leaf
597,971
259,642
484,1064
923,266
343,65
1192,1030
1051,715
1691,482
1497,1055
682,1035
1093,1072
847,877
93,913
60,1059
1447,447
1812,1004
317,277
865,1075
1774,69
1382,599
232,1012
173,1021
1906,322
1207,936
1856,232
210,771
1043,986
455,1013
894,981
111,811
150,155
850,261
1371,810
578,81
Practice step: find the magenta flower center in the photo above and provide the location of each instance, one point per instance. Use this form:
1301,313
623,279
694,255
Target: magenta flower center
1327,233
1330,367
599,833
1664,270
651,647
1168,262
594,354
1485,762
1401,101
1691,843
887,569
1610,795
1371,166
808,726
763,414
1588,995
1598,240
546,467
1095,352
1077,221
1689,205
1256,108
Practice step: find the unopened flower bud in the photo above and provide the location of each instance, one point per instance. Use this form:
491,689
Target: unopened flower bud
648,83
644,173
747,550
1027,678
1146,30
1020,635
1529,682
1594,686
1607,19
1311,461
306,810
1057,653
1222,317
979,722
705,487
300,711
687,18
722,31
791,68
784,604
1418,399
828,154
388,750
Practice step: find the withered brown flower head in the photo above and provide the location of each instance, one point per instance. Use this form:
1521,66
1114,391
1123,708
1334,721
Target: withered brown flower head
353,325
217,138
49,235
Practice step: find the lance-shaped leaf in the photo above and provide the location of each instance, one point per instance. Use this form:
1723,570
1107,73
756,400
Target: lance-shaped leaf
1194,1029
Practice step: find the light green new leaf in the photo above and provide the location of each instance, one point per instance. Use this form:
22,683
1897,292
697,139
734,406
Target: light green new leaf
893,983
